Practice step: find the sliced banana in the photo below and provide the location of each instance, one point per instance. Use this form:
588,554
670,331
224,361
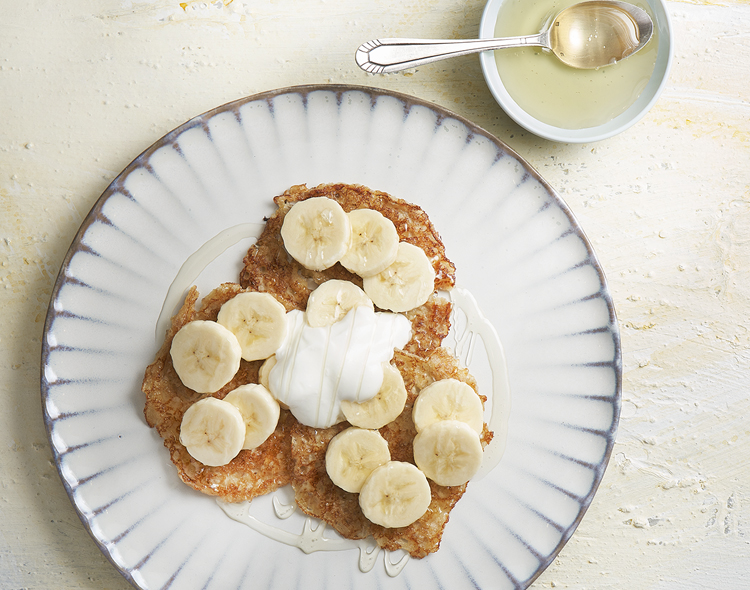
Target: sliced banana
258,321
259,410
385,407
205,355
212,431
449,452
316,232
395,495
407,283
374,243
264,371
448,399
332,300
353,454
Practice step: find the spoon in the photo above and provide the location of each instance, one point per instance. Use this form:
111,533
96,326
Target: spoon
587,35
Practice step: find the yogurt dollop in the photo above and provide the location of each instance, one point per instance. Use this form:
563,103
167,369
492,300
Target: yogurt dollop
317,368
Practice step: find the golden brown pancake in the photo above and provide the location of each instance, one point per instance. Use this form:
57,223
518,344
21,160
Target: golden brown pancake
295,453
249,474
317,496
268,267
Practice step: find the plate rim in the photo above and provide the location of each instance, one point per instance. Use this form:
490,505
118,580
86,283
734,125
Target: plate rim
409,102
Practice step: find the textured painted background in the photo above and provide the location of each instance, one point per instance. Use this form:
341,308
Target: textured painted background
86,85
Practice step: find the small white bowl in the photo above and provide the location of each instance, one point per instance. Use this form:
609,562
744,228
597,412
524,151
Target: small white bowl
631,115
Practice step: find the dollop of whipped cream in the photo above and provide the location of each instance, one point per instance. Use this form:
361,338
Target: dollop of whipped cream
317,368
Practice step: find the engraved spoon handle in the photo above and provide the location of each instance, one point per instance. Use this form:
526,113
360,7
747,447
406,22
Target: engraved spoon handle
382,56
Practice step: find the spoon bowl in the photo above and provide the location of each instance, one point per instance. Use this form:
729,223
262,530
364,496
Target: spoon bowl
598,33
587,35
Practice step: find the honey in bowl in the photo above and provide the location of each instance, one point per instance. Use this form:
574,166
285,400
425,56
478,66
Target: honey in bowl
557,94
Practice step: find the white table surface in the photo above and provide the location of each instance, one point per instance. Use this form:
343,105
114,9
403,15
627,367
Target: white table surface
666,205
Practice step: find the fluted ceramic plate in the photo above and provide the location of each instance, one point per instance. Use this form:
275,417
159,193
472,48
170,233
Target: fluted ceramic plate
517,248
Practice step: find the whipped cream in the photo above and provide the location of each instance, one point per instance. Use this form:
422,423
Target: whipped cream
317,368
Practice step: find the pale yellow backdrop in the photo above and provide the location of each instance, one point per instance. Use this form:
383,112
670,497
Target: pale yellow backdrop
86,85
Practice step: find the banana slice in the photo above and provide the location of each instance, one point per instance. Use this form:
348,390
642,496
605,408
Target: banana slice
448,399
385,407
316,232
264,372
374,243
212,431
395,495
260,412
407,283
353,454
205,355
332,300
258,321
449,452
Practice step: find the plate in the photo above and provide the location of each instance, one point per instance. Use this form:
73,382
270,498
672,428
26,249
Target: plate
518,250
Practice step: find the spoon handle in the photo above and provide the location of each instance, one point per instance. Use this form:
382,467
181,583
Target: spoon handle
383,56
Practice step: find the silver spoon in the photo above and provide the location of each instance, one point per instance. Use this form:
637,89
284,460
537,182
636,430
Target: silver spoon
587,35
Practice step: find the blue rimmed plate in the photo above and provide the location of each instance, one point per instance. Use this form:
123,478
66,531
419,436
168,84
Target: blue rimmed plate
518,251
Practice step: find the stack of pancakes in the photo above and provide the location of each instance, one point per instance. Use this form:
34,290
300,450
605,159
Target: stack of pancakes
295,454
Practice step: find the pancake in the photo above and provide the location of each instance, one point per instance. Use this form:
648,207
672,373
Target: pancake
295,453
268,267
252,472
317,495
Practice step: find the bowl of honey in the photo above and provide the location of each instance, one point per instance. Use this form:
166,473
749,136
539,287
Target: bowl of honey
565,104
